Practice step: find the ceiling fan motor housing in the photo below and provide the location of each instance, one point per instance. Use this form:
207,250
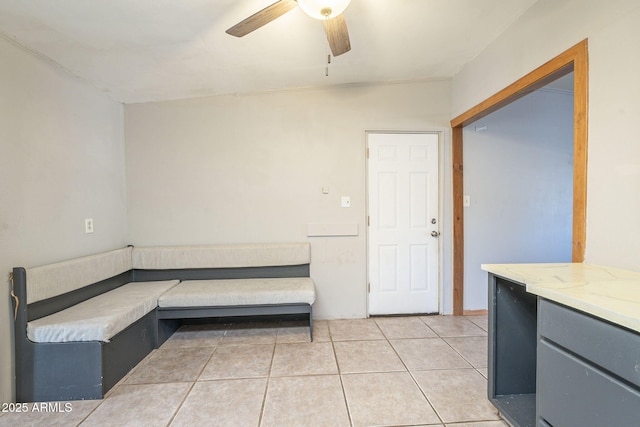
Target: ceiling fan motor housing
323,9
328,11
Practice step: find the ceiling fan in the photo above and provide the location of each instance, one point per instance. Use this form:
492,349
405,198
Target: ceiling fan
329,11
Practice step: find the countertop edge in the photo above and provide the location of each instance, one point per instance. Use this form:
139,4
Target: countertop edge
603,292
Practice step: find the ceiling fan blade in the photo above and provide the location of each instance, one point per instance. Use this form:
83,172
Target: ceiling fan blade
337,35
261,18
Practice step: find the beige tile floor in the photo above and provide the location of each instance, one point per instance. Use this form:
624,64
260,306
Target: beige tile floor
393,371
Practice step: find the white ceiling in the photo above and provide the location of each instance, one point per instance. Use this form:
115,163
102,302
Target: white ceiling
150,50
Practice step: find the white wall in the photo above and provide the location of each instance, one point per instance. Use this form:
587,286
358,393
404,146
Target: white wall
519,175
191,164
62,161
250,168
613,177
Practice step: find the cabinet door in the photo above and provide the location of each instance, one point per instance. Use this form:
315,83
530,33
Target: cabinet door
587,370
613,348
573,392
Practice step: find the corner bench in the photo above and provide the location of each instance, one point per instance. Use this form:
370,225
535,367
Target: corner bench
81,325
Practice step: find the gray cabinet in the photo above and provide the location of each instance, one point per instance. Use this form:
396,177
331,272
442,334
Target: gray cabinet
588,370
554,366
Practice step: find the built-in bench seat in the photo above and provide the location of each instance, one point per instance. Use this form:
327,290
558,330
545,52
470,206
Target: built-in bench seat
82,324
102,317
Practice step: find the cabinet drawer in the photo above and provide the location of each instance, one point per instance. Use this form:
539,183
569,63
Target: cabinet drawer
573,393
614,348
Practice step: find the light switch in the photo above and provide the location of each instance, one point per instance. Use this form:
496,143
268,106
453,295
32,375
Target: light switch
88,225
466,201
325,190
345,202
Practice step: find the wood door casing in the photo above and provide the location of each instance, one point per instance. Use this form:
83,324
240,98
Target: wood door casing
573,60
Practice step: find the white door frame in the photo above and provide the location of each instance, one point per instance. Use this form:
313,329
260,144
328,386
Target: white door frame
441,177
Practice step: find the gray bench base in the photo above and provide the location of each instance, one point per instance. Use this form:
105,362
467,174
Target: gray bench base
236,311
53,371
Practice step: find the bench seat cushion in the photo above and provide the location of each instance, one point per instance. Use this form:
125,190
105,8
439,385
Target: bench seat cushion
101,317
234,292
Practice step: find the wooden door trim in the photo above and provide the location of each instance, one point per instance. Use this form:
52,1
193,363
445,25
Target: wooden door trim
574,59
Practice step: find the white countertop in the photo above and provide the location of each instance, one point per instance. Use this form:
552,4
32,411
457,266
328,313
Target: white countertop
609,293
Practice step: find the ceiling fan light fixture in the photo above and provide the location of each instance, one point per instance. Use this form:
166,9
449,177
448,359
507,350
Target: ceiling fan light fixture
323,9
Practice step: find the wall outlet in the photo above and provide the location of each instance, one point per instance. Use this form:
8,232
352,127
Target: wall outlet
88,225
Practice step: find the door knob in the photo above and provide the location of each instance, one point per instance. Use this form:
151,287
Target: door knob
435,233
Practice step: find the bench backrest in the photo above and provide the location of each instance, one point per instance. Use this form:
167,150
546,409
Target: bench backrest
54,287
51,280
221,256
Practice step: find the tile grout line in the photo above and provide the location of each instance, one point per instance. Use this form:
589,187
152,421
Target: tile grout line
411,375
184,398
466,360
90,412
114,388
193,383
443,338
267,382
462,356
466,336
344,393
435,411
416,381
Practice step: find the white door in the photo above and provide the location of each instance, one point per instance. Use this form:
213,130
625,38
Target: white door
402,174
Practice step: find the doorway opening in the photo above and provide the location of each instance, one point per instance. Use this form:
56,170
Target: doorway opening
573,60
518,185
